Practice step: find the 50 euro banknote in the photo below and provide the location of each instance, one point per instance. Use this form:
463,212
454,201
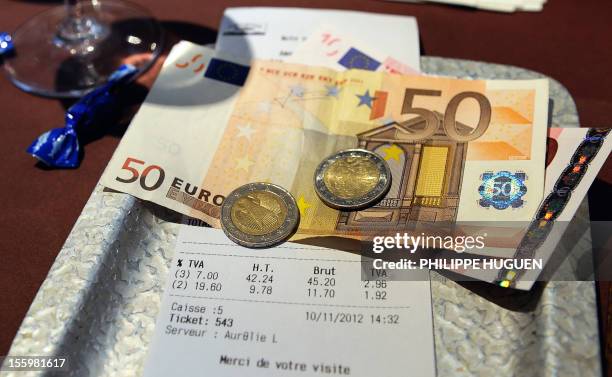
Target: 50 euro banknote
458,150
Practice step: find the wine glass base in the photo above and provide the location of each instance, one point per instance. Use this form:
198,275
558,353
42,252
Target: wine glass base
55,61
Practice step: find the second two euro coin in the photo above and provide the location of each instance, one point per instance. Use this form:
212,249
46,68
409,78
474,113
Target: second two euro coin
259,215
352,179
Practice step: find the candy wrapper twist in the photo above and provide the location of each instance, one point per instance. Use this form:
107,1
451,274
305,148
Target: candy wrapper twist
6,43
59,147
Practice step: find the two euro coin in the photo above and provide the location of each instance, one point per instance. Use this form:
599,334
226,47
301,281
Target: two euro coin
259,215
352,179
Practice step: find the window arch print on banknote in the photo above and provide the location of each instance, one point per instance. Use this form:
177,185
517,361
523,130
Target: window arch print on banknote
553,205
430,179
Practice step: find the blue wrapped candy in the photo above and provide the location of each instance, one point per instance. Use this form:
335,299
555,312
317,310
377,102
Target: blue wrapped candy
59,147
6,43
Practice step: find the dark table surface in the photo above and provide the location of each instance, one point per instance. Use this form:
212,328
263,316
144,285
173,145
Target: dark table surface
569,41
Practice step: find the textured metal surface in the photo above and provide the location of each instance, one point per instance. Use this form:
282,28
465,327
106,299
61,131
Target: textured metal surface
275,203
99,302
366,179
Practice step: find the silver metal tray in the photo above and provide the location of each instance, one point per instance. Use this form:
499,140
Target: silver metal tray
100,299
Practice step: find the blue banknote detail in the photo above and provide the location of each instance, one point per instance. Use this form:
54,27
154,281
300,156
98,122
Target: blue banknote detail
357,59
502,190
228,72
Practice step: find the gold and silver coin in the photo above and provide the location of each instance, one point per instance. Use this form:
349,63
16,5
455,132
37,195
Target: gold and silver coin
259,215
352,179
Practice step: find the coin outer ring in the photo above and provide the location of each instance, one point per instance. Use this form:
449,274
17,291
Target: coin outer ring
380,190
273,238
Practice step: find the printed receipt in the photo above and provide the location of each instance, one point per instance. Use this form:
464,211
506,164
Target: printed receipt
292,310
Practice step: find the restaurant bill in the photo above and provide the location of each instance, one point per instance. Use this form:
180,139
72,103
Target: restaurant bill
288,310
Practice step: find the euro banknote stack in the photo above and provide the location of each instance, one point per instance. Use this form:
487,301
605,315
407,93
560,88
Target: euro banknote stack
458,150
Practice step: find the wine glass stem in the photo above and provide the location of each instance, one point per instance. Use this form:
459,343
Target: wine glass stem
73,9
80,26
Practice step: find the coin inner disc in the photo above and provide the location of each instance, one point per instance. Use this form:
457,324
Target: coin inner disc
258,213
351,177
